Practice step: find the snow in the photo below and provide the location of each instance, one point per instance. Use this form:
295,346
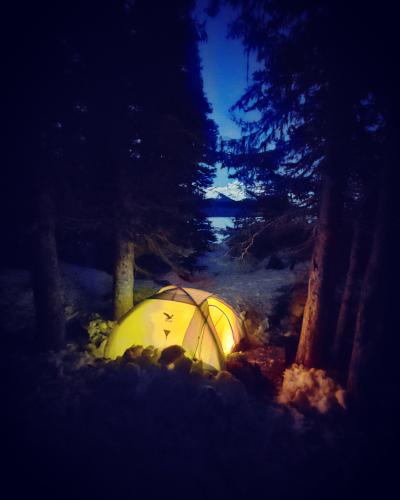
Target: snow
117,427
247,285
16,300
133,428
233,190
311,389
85,290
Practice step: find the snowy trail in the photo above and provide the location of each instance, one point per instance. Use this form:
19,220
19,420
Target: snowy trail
247,286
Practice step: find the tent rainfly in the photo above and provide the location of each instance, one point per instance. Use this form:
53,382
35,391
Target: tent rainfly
202,323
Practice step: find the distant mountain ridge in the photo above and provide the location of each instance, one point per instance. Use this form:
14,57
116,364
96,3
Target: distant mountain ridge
233,190
223,197
224,206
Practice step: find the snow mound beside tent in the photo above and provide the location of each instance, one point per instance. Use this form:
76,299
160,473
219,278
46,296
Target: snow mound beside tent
311,389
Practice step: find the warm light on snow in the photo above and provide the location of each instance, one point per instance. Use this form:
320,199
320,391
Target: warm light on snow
311,388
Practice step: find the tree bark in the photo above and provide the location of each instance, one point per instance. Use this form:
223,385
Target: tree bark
318,320
123,276
48,298
370,314
348,307
124,263
313,336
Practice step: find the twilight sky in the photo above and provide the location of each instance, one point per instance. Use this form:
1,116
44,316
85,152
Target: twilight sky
224,73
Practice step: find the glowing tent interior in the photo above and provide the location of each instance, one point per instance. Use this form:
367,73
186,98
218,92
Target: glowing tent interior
201,322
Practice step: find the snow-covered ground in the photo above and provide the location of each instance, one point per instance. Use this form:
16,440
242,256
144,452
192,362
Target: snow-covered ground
126,428
85,290
16,300
81,428
246,285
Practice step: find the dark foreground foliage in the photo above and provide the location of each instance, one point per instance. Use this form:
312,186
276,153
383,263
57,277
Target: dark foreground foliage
77,427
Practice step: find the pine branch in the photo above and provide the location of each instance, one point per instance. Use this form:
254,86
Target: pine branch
285,218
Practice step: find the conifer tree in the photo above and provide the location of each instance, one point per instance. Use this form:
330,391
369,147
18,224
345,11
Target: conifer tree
309,129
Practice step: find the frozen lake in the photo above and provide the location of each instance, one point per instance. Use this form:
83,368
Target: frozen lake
220,223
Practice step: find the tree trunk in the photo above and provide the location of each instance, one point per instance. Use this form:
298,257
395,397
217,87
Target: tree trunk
348,307
313,337
123,276
318,320
370,314
50,320
124,264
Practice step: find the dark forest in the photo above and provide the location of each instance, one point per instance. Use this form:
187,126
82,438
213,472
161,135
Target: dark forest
170,333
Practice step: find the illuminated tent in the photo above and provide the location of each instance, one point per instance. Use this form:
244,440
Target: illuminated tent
202,323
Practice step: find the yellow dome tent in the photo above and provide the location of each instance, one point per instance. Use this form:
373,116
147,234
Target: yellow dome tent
202,323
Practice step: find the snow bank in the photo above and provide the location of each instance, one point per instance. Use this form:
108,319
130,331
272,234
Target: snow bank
85,290
310,389
132,425
16,300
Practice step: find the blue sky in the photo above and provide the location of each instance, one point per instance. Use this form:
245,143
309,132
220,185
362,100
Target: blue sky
224,73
